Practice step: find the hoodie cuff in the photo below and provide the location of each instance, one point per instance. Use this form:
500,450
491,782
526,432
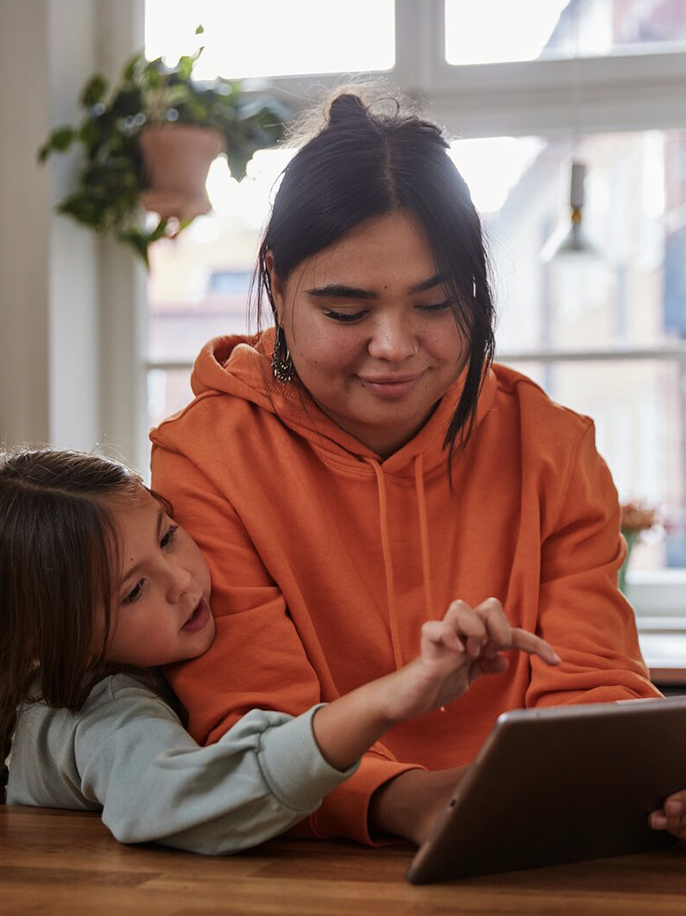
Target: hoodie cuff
294,767
345,812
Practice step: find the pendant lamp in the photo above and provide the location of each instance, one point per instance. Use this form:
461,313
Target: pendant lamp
570,239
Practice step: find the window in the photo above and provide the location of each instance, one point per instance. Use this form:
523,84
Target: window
600,81
300,36
492,31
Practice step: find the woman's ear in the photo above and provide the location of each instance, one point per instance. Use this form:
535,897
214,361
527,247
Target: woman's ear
276,284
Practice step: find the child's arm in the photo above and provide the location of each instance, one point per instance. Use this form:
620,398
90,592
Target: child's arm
127,752
454,652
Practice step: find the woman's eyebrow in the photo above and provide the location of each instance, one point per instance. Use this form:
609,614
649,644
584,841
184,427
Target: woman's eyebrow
338,291
341,291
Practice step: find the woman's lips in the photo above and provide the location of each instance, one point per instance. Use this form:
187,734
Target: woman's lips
198,619
390,386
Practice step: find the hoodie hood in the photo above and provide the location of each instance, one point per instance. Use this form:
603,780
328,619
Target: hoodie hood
241,366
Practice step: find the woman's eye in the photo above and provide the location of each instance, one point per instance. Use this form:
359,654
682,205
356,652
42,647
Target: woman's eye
344,316
135,593
169,536
436,307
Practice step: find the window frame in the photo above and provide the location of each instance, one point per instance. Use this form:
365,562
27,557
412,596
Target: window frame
546,98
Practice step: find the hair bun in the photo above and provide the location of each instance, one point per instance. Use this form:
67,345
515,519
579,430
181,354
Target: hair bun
346,107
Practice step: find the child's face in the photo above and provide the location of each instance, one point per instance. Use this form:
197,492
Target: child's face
161,611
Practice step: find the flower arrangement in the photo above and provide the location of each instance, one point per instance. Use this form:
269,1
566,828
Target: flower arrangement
636,517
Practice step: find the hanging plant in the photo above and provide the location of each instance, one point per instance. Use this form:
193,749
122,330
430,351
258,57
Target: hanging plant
150,144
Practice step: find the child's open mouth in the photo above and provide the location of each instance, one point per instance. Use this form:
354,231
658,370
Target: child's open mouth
198,618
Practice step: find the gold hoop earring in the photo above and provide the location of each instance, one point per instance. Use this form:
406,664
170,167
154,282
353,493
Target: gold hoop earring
283,369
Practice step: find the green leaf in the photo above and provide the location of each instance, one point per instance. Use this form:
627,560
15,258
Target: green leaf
62,138
58,141
158,231
137,240
185,67
238,159
94,91
200,30
131,66
82,209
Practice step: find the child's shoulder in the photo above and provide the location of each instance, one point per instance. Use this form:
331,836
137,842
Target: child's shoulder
107,692
137,687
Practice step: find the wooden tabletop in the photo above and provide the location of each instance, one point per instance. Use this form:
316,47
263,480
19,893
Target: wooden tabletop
61,863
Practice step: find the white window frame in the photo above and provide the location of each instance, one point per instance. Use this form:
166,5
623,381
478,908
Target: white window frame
546,98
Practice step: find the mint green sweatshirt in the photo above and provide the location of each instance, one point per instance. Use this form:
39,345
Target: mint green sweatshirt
126,753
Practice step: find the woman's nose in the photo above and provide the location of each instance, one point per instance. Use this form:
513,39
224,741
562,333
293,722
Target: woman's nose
392,340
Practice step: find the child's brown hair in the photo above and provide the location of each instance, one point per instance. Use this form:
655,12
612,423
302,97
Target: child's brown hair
58,547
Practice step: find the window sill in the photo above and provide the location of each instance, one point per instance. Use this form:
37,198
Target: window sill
659,594
659,599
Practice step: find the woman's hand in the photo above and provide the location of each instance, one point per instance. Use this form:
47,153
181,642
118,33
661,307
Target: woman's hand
455,651
672,815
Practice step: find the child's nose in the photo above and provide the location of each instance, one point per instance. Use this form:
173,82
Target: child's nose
179,583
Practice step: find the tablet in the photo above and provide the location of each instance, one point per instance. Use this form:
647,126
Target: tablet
560,784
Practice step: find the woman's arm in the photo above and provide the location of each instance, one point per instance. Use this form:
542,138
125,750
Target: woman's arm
581,611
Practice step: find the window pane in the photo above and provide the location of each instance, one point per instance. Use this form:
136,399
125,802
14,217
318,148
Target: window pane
639,409
272,37
168,391
491,31
630,291
199,284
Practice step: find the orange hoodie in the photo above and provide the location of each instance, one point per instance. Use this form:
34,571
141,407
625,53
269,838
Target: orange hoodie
326,559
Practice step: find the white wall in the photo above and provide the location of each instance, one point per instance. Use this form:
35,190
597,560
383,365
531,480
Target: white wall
69,375
73,303
24,223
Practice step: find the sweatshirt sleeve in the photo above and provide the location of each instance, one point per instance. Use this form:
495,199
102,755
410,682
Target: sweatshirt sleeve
156,784
257,659
581,611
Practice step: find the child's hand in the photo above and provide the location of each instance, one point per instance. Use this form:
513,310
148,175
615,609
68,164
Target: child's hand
456,651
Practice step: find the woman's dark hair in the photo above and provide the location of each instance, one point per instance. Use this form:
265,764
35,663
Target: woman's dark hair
58,547
362,165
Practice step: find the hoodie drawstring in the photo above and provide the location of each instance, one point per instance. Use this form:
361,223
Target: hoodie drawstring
424,536
387,557
388,565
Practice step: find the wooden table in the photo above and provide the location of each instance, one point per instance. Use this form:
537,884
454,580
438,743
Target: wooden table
61,863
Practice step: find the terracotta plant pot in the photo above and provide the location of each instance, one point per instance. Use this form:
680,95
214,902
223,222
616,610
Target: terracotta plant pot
177,158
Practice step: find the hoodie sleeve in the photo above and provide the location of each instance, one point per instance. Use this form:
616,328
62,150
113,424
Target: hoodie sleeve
257,659
581,611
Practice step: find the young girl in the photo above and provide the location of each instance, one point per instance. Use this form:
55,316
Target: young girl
97,583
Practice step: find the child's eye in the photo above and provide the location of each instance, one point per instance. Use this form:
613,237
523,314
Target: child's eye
168,538
135,593
345,316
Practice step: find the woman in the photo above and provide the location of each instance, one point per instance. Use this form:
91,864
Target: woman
352,471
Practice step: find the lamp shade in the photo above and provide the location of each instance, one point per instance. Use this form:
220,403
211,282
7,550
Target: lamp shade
570,238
